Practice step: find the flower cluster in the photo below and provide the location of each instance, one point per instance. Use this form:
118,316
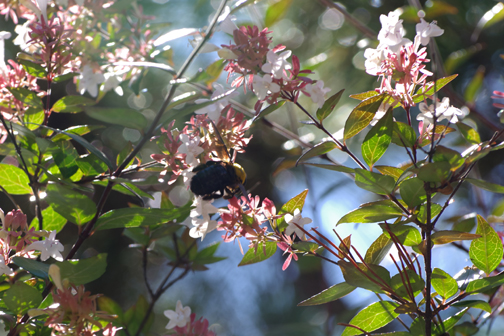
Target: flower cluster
401,64
74,311
17,238
267,71
184,323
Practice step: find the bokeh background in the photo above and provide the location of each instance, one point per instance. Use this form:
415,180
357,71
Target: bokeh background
261,299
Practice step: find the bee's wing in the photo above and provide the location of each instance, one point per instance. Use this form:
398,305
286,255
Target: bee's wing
220,145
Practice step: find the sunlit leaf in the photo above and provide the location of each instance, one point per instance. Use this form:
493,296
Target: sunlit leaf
403,134
496,188
422,94
469,133
482,285
447,236
372,213
51,220
329,106
378,250
486,252
374,182
434,172
72,104
362,115
372,317
478,304
140,217
14,180
21,297
264,251
73,206
319,149
276,12
413,192
378,139
449,323
332,293
443,283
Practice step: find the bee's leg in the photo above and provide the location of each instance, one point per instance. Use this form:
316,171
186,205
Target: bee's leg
208,197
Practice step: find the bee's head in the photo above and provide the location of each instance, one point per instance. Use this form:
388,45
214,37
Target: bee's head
240,172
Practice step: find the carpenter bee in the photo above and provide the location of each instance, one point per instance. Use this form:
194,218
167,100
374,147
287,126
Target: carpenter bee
216,179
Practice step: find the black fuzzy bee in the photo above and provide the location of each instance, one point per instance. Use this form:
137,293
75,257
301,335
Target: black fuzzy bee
222,178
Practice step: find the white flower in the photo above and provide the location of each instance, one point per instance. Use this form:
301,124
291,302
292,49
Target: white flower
178,318
317,92
23,36
190,147
222,99
88,81
427,30
203,208
202,226
296,219
42,4
187,175
277,64
392,32
207,48
262,85
4,269
227,54
112,82
374,59
227,25
4,35
49,247
443,111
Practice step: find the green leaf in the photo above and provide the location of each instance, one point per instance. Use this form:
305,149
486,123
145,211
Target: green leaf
51,220
364,95
355,278
443,283
474,85
270,109
422,212
374,182
90,165
264,251
296,202
449,155
332,293
66,159
478,304
496,188
80,272
111,307
413,192
390,171
118,116
78,130
36,268
33,118
318,149
334,167
465,223
64,77
417,327
329,106
27,97
483,285
440,83
34,69
73,206
206,255
372,212
276,12
378,139
14,180
21,297
434,172
415,281
449,323
448,236
378,250
72,104
362,115
486,252
83,142
372,317
407,235
405,133
141,217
